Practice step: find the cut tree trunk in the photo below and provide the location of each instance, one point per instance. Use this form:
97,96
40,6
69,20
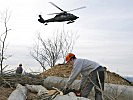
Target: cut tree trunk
19,93
70,96
39,89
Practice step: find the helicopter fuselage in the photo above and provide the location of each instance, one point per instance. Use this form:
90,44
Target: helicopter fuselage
62,17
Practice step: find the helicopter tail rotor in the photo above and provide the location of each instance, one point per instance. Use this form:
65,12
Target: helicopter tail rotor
41,20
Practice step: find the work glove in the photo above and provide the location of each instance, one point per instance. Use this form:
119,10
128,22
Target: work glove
65,90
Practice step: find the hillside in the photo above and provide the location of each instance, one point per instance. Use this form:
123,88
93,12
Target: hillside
65,70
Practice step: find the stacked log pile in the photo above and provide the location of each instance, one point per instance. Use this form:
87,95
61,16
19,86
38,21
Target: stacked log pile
19,87
20,93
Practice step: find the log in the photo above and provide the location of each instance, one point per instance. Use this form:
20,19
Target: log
59,82
19,93
112,91
39,89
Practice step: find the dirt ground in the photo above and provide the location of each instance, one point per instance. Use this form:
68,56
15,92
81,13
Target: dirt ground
5,92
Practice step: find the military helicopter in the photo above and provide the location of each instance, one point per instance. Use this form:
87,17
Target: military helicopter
60,17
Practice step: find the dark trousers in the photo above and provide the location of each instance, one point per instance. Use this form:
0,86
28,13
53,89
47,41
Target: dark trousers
93,81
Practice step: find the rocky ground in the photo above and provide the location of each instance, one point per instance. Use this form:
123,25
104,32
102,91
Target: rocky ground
7,83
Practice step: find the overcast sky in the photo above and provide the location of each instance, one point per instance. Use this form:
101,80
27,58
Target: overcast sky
104,28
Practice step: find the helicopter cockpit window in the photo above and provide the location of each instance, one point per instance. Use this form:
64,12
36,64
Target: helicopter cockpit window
70,15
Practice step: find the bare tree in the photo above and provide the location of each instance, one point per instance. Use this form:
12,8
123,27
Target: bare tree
48,52
36,54
68,42
5,18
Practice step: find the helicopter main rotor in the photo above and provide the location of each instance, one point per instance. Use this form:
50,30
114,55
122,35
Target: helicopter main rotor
56,6
63,10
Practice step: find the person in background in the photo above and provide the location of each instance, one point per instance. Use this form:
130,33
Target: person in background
19,69
92,75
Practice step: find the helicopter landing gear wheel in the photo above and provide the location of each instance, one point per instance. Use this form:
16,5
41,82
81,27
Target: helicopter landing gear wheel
45,24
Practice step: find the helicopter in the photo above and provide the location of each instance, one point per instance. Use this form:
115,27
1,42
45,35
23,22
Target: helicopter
60,17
